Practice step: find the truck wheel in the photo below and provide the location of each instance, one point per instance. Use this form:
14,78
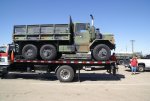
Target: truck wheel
3,72
101,52
29,51
65,73
48,52
121,62
141,68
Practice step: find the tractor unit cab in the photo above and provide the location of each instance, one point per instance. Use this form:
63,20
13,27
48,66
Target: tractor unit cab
5,52
50,41
3,55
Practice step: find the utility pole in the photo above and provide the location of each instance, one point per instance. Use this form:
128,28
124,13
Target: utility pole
126,48
132,43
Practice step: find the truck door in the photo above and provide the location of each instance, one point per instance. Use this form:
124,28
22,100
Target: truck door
82,37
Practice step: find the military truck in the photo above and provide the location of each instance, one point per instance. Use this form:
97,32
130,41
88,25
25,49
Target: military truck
50,41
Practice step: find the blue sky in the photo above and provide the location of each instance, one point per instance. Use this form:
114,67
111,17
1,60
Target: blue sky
126,19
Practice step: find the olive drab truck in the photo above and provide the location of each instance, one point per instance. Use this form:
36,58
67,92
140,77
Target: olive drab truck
50,41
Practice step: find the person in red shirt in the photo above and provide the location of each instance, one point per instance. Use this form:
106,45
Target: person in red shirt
113,57
134,64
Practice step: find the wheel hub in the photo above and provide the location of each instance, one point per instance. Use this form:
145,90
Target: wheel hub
65,74
47,52
29,52
102,53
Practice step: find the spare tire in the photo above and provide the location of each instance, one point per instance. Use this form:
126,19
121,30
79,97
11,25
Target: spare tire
101,52
29,51
48,52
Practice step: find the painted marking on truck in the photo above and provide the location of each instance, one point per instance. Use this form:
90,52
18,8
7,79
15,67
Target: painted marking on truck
65,62
99,62
49,61
88,62
72,62
75,62
80,62
21,61
35,61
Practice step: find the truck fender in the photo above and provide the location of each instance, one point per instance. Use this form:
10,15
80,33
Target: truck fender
100,41
141,63
57,68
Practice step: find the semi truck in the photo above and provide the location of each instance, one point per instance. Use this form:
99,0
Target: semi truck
64,69
50,41
5,51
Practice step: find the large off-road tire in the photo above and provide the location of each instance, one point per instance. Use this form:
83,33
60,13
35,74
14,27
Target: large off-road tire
65,73
101,52
141,68
48,52
29,51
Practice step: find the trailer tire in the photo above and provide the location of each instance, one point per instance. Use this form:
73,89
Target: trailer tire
101,52
48,52
29,51
65,73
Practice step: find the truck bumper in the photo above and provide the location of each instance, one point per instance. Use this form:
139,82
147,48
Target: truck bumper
3,69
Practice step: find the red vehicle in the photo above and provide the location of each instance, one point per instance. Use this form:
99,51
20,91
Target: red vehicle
5,62
64,69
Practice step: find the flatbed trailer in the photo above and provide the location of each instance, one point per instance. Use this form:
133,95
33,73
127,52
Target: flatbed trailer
65,70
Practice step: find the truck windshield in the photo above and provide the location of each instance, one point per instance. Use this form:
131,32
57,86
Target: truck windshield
2,49
80,27
2,59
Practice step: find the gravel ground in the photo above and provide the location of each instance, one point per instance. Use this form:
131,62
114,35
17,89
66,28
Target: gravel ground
94,86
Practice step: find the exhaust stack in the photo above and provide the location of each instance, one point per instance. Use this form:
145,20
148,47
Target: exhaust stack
92,19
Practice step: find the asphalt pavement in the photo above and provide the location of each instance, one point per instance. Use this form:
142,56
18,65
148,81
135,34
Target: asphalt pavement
94,85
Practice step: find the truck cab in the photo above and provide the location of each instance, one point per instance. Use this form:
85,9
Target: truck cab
5,58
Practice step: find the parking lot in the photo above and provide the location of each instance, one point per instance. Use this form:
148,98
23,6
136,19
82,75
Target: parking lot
93,86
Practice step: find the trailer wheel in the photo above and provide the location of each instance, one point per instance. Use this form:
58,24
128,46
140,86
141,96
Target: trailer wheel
48,52
29,51
101,52
65,73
